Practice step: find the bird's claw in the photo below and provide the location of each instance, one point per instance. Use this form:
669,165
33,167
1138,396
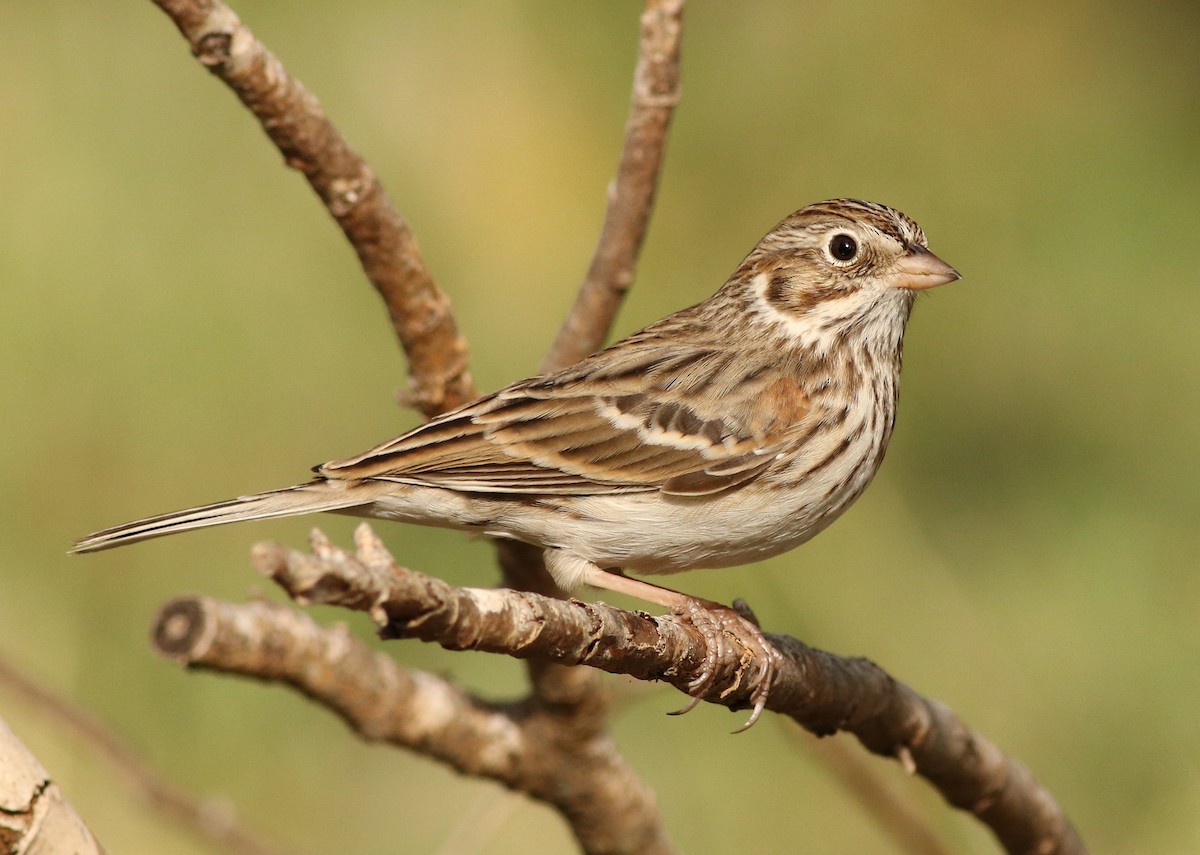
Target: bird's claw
717,624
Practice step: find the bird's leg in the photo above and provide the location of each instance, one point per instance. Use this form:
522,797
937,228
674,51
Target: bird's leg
715,623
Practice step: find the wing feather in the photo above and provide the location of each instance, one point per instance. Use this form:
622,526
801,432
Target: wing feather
686,420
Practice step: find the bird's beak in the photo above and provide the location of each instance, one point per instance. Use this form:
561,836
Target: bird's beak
921,269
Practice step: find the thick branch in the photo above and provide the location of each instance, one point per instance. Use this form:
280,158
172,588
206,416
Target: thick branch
350,190
34,814
631,195
823,692
189,812
551,754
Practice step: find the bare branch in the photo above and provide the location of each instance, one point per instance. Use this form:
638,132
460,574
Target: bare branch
631,195
823,692
630,202
293,120
198,817
578,771
34,814
349,189
548,745
406,604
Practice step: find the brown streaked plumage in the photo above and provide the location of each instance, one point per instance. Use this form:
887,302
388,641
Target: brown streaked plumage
729,431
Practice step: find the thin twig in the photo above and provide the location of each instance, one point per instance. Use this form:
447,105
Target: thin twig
823,692
631,195
292,117
578,771
195,815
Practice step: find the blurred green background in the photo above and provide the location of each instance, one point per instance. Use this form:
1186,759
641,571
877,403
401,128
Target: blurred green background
183,323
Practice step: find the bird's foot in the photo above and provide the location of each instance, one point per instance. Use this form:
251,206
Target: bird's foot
721,625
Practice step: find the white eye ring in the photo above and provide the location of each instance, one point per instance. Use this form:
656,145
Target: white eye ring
842,248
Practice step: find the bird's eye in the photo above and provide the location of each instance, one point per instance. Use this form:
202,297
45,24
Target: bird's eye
843,247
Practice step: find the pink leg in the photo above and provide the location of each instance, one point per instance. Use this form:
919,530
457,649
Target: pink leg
714,621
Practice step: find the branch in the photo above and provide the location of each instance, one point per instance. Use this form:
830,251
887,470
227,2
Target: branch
190,813
578,771
823,692
631,195
293,120
292,117
610,274
34,814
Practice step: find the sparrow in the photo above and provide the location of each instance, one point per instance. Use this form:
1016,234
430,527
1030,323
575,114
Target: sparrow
728,432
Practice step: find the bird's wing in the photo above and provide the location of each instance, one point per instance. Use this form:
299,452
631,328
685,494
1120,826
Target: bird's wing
651,415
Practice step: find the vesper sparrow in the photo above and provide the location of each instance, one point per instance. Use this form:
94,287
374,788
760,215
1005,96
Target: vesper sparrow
727,432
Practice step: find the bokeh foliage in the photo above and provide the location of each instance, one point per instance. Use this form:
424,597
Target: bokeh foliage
182,323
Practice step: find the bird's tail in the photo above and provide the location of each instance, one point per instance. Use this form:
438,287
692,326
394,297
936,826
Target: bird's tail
302,499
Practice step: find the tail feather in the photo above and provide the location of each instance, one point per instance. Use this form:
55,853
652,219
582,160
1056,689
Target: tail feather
307,498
